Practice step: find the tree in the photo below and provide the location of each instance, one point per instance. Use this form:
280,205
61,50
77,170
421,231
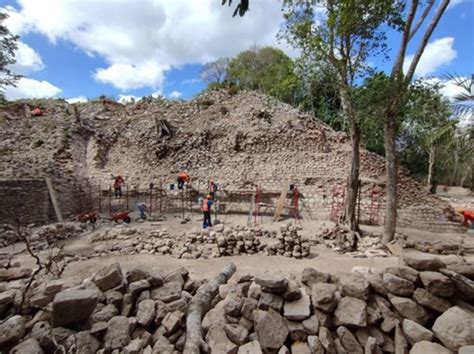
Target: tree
317,92
265,69
215,71
399,83
241,8
348,33
463,103
8,47
424,124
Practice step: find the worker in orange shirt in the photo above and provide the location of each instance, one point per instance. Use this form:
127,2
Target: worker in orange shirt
468,217
206,210
183,177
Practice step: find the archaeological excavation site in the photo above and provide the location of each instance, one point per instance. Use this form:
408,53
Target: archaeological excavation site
213,225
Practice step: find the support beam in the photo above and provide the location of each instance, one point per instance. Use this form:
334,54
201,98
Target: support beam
52,195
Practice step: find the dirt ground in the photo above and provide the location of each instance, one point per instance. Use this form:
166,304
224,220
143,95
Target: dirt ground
321,258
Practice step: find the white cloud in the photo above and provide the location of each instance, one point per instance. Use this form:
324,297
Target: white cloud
79,99
157,94
148,37
27,60
437,54
175,94
454,3
128,98
449,89
29,88
191,81
128,76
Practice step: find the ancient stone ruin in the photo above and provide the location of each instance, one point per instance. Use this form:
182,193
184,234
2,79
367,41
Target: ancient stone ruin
423,306
81,146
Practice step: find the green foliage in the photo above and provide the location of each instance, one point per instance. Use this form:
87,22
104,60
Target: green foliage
343,35
317,92
8,46
424,120
266,69
241,8
206,103
463,101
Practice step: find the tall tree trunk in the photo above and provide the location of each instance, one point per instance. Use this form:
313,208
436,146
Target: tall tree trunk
390,131
431,160
455,168
352,186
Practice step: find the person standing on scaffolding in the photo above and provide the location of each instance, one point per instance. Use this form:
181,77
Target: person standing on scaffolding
118,184
206,210
183,177
212,188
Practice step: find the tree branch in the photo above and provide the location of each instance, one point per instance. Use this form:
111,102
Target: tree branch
429,31
398,67
422,19
198,308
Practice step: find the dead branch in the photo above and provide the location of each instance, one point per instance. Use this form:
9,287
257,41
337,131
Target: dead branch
199,306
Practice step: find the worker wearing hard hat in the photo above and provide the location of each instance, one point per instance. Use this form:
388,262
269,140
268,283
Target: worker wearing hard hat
206,210
182,178
118,184
212,188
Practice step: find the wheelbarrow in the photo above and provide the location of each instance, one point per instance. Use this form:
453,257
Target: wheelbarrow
122,216
87,216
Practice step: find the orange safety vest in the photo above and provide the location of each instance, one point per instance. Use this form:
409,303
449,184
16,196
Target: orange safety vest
184,176
205,205
468,215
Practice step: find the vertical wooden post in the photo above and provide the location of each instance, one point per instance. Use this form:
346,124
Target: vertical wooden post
126,197
91,205
100,198
161,199
182,202
151,199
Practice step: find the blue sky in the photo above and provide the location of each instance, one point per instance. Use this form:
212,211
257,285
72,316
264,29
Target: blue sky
83,49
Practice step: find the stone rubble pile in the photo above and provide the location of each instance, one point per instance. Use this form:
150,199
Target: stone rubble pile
49,234
424,306
8,235
112,312
342,240
238,240
440,247
290,243
129,240
41,238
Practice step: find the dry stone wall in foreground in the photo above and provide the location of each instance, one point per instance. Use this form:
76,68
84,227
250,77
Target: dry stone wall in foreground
424,306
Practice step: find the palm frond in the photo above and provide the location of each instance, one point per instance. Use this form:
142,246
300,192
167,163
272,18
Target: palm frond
463,102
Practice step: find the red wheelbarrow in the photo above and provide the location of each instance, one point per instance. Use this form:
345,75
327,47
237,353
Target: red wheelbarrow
87,216
123,215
